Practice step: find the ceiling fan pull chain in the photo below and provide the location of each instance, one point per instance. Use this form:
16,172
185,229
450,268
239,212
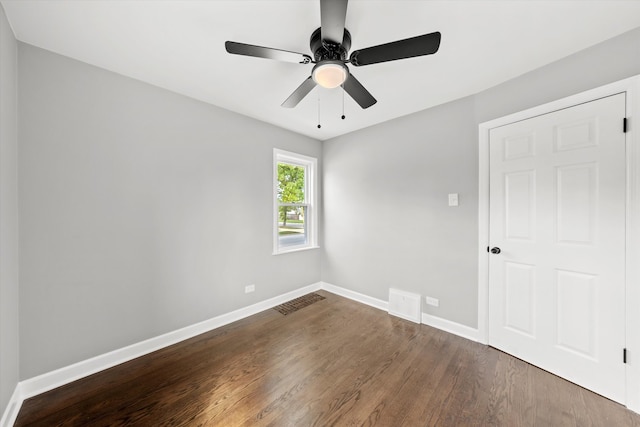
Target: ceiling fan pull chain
319,110
343,116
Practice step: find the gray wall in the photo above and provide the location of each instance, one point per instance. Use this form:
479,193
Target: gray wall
607,62
141,211
8,213
387,223
387,219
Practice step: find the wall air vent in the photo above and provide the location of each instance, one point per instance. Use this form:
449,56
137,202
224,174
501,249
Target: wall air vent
405,305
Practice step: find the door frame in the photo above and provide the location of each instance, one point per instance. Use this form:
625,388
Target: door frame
630,86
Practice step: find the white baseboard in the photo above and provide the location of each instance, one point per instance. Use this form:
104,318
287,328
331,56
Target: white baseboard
11,412
67,374
50,380
355,296
428,319
451,327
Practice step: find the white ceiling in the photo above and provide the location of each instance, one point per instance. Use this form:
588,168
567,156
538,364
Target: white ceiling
179,45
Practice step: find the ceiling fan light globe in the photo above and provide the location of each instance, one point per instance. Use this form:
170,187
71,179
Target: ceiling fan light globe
330,74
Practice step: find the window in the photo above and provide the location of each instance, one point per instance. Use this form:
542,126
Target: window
295,225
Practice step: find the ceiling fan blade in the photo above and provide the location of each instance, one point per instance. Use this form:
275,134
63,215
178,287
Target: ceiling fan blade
333,14
362,96
266,52
425,44
298,94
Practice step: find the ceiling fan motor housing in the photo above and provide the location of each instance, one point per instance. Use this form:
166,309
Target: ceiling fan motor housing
329,51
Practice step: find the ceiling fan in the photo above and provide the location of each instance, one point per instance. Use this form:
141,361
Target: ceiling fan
330,44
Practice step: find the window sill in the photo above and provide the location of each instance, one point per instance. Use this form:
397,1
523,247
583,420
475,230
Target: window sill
298,249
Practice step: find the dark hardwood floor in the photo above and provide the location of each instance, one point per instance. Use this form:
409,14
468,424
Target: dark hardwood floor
335,362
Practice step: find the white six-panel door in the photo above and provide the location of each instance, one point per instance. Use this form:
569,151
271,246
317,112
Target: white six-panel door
557,216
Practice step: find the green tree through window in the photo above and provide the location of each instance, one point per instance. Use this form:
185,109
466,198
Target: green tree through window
290,188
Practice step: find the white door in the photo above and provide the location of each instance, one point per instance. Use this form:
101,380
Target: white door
557,215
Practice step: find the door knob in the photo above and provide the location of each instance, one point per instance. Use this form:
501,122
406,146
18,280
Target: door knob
495,250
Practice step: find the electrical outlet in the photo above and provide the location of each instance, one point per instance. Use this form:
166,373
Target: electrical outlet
453,199
433,301
249,288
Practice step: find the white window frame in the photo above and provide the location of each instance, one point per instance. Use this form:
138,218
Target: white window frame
311,218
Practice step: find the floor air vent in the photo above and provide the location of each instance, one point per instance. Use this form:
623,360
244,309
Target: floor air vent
298,303
405,305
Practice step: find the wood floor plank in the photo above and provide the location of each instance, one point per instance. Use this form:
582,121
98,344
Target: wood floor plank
334,362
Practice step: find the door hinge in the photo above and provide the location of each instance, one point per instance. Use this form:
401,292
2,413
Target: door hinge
624,125
624,355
